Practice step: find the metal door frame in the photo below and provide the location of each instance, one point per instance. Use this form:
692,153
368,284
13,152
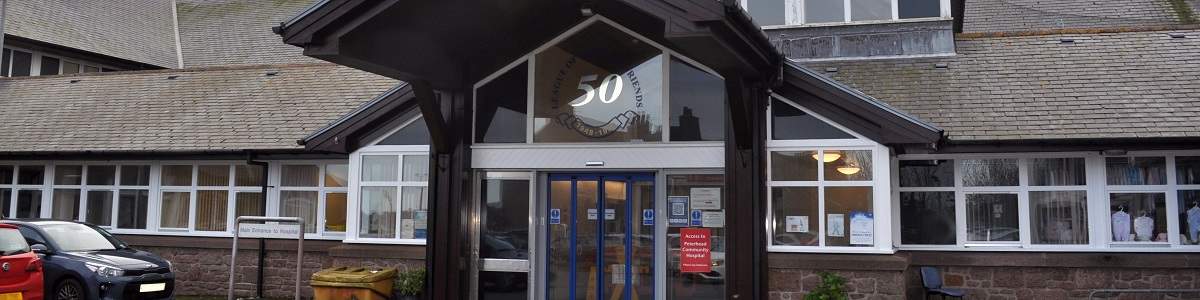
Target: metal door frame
629,178
479,264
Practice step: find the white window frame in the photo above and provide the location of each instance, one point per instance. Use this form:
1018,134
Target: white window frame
353,203
115,189
275,203
794,14
35,65
1098,203
880,183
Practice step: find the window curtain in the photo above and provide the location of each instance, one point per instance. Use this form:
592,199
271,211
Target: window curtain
1059,217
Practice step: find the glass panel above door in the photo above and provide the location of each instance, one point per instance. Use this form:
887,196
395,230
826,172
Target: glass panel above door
600,85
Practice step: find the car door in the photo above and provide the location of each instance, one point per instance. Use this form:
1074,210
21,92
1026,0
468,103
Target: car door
15,261
51,265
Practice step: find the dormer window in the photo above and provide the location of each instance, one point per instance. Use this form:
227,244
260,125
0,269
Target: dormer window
824,12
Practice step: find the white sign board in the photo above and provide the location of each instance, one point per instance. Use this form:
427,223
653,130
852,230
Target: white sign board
706,198
797,224
715,219
837,225
269,231
862,229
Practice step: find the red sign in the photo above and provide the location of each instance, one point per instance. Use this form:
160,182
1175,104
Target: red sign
695,254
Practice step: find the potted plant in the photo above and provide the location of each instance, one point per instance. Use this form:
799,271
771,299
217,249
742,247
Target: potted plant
832,287
410,284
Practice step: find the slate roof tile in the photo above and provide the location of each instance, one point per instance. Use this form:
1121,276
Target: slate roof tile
1033,15
136,30
236,32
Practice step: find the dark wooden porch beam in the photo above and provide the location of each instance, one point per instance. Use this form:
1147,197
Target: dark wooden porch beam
431,110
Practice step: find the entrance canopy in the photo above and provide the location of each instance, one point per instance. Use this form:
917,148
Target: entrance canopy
454,43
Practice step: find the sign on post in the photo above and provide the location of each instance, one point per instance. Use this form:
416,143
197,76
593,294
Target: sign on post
292,225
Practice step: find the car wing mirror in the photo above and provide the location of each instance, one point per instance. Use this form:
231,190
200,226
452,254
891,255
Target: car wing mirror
39,249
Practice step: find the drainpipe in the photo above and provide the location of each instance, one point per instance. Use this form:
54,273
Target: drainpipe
262,243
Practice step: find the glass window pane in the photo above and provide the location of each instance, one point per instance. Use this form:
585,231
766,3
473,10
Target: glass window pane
4,59
796,217
1189,219
177,175
211,208
99,206
1057,171
335,212
791,123
65,205
685,285
49,66
250,204
133,206
500,107
927,173
867,10
503,285
140,175
504,219
379,167
992,218
414,134
175,209
1136,170
927,218
600,85
300,204
1138,217
90,69
68,175
70,68
1187,170
336,175
300,175
697,104
824,11
794,165
990,172
767,12
101,175
378,212
413,205
847,165
849,217
416,168
5,203
248,175
920,8
33,175
29,204
6,174
213,175
1058,217
22,63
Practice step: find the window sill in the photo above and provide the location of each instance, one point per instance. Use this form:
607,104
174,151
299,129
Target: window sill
1163,248
216,234
829,250
414,242
852,23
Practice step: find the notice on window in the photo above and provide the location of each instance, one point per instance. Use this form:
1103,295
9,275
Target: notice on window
648,217
837,225
712,219
593,214
617,272
862,228
706,198
420,224
555,216
610,214
678,208
406,228
797,224
695,254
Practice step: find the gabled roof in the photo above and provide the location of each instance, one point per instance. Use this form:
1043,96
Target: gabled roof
236,32
1126,85
135,30
262,107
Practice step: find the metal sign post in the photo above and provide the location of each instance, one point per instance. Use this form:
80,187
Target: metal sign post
299,248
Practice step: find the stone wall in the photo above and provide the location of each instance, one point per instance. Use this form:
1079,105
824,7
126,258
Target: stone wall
793,284
201,265
1010,283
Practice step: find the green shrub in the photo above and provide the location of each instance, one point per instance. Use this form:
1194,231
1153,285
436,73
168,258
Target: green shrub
832,287
411,282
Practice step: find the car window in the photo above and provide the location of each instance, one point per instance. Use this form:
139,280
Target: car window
11,242
32,236
77,237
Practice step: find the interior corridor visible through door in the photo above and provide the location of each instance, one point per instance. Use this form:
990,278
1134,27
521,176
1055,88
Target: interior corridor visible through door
600,236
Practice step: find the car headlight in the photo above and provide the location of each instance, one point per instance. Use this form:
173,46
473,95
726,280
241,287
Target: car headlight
105,270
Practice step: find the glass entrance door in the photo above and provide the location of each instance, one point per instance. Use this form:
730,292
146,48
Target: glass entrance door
600,237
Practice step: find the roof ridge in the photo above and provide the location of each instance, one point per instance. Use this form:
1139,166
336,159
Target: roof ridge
184,70
1002,34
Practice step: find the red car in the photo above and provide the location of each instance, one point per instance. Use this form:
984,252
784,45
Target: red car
20,268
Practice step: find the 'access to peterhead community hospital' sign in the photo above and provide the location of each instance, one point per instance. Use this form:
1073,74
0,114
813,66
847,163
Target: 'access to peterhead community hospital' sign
269,231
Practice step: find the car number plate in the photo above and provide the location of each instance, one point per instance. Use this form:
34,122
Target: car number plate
11,296
152,287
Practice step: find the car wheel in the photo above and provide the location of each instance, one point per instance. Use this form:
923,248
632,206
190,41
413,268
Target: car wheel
69,289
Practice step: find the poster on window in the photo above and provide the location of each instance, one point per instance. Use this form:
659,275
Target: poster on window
706,198
406,229
695,250
420,224
862,228
714,219
836,225
797,224
678,208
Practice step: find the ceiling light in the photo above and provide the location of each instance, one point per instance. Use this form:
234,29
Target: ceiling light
829,156
850,169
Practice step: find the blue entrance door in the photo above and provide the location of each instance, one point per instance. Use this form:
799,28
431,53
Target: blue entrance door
600,237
